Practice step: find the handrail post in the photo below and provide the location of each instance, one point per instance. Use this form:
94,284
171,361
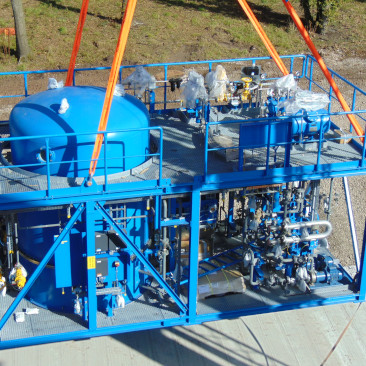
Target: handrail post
353,106
25,76
363,151
105,162
320,145
205,169
48,167
161,156
311,73
330,98
165,86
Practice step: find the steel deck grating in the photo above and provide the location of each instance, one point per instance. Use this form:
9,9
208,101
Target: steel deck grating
138,311
44,323
183,158
141,310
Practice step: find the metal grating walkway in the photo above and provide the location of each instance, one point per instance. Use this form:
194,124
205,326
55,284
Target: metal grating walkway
183,158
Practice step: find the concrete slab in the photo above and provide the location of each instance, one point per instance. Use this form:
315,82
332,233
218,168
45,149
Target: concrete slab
299,337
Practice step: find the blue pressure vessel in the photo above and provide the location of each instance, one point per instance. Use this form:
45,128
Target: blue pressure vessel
73,133
38,127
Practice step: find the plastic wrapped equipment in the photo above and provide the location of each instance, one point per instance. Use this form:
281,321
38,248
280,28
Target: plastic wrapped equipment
305,99
2,286
140,80
64,106
54,84
285,84
194,89
119,90
220,283
217,82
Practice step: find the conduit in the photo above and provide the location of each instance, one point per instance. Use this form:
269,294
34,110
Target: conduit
309,42
75,50
118,55
262,34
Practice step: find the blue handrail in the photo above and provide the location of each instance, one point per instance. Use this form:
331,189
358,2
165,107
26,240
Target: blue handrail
48,163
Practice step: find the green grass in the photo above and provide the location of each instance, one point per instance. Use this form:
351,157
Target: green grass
190,30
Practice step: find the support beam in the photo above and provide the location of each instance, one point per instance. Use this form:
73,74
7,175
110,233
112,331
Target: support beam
352,223
193,249
141,257
91,263
362,274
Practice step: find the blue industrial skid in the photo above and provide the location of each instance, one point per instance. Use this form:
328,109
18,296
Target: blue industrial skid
200,210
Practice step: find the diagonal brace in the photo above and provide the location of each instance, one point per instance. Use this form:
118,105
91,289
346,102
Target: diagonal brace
42,264
141,257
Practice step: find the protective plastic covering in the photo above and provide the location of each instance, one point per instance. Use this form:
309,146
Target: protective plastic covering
120,301
20,317
194,89
304,99
140,80
220,283
64,106
119,90
217,82
285,84
32,311
2,286
54,84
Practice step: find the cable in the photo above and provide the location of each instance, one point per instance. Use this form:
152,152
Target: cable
341,336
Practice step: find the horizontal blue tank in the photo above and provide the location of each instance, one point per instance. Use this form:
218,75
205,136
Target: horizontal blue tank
38,115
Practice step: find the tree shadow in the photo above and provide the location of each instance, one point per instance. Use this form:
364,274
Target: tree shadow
264,13
57,5
11,52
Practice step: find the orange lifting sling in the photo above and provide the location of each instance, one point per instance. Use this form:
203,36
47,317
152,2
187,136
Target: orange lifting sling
309,42
121,46
75,50
120,49
262,34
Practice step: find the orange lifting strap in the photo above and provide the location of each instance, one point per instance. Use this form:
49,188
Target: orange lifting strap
118,55
272,51
309,42
75,50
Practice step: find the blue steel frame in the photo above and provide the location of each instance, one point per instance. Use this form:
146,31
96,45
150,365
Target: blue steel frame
90,201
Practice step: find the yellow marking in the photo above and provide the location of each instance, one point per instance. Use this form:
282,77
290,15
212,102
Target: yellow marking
91,262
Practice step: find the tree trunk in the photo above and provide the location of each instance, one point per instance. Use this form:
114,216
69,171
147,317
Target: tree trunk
309,20
22,50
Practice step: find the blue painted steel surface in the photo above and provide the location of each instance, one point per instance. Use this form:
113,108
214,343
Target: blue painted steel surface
42,264
140,226
35,241
70,156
